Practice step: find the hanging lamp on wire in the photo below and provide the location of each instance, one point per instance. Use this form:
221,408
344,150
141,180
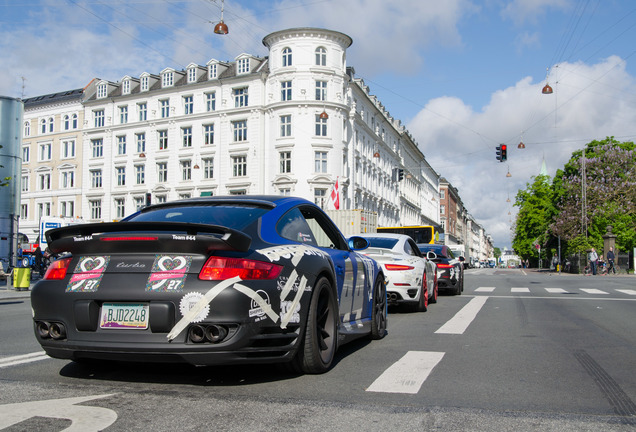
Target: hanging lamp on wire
323,115
547,89
221,27
521,144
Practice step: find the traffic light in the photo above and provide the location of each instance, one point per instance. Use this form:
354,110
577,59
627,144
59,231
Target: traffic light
400,174
148,198
498,150
504,152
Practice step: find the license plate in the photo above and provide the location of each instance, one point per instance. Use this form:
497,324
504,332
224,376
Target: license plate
124,316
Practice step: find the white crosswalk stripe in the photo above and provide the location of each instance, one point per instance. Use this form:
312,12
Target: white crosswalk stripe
593,291
627,291
520,290
556,291
407,374
485,289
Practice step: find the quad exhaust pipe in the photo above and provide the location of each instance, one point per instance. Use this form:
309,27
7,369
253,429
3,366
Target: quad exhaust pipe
53,330
212,333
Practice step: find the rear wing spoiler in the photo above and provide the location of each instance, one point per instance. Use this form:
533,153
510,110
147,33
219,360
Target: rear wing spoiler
146,237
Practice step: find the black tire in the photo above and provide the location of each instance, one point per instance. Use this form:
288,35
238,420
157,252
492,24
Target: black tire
320,341
378,321
422,304
435,291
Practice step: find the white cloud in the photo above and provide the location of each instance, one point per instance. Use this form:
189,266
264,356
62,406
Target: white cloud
521,11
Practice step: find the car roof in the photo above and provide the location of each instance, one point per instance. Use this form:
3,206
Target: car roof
385,235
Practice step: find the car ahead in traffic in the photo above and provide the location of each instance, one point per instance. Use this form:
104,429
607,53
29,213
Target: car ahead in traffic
450,270
214,280
411,278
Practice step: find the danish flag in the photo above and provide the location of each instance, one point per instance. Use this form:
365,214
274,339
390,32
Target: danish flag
334,197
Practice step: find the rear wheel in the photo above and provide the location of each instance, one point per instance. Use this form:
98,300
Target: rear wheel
318,348
378,324
422,304
435,290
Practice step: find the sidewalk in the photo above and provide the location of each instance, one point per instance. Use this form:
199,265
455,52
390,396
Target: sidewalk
7,292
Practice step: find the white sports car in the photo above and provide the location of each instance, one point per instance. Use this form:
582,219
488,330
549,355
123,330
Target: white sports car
411,278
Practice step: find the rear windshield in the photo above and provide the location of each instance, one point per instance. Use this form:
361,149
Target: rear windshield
232,216
379,242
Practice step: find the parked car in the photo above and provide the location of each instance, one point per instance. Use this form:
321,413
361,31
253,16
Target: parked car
214,280
450,269
411,278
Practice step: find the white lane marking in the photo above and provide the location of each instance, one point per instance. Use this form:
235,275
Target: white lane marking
556,290
462,319
24,358
593,291
520,290
83,418
627,291
407,374
485,289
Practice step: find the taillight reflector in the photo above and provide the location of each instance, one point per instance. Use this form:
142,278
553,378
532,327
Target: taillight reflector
220,268
398,267
440,265
129,238
57,269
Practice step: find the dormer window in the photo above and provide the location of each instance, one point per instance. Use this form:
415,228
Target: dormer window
167,79
321,56
125,87
27,129
192,75
212,71
102,91
243,65
287,57
145,83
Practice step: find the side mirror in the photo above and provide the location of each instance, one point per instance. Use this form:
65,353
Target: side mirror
462,259
430,255
358,243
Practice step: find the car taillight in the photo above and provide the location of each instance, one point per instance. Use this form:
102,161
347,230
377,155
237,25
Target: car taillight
220,268
398,267
57,269
441,265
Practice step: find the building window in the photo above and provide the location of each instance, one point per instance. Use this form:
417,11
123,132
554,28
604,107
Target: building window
102,91
44,209
192,75
239,166
320,162
120,208
68,149
25,183
208,168
186,135
74,121
67,208
142,108
185,195
243,66
66,121
68,179
210,101
167,79
442,194
320,196
162,172
285,91
163,139
45,152
98,116
188,104
139,203
284,191
240,97
145,83
212,71
140,174
321,90
96,209
97,147
285,125
208,134
160,199
186,170
26,154
123,114
121,145
141,142
442,209
165,108
96,178
50,124
43,126
285,162
27,129
24,211
321,56
321,126
240,130
121,176
287,57
125,87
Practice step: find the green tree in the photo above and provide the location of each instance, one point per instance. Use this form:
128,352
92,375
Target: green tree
497,252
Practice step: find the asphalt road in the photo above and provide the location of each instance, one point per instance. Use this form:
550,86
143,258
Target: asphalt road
517,351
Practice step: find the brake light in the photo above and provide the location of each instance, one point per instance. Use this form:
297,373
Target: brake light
57,269
220,268
398,267
129,238
444,266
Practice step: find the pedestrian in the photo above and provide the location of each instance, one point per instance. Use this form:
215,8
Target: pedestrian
555,262
610,260
593,258
39,264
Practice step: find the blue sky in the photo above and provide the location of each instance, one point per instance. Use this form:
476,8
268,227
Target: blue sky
463,75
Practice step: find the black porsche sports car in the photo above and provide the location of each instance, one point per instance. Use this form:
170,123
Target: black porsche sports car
211,280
